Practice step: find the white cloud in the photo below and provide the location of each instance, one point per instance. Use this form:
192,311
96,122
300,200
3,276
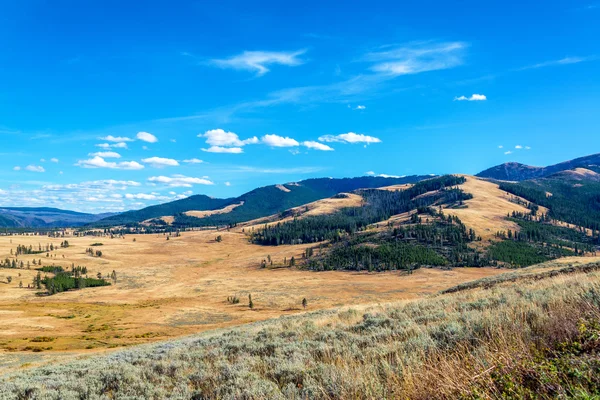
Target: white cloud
360,107
219,137
508,152
17,168
35,168
350,137
227,184
193,161
54,160
106,146
518,147
219,149
316,145
99,162
474,97
140,196
371,173
159,162
500,147
180,180
418,57
279,141
105,154
111,138
527,148
258,61
147,137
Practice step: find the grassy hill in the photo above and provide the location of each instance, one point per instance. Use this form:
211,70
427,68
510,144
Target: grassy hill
513,171
258,203
527,335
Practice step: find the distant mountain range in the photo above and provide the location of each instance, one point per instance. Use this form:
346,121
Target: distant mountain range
44,217
273,199
257,203
514,171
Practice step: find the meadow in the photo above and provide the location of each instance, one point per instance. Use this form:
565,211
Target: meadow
170,288
530,336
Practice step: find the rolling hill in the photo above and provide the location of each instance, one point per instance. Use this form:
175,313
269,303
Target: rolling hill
514,171
257,203
44,217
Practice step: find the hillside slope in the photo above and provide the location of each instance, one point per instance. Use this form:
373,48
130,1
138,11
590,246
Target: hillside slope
571,196
513,171
260,202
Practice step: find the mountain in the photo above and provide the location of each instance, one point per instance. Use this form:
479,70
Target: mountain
44,217
513,171
196,202
257,203
572,196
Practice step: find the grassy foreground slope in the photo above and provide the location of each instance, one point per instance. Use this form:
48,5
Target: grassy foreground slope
533,337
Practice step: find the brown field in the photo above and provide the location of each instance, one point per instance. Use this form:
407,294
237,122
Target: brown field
169,288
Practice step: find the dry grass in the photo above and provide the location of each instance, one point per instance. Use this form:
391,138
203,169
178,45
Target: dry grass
170,288
224,210
529,339
486,211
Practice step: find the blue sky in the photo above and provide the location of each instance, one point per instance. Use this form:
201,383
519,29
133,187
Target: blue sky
110,105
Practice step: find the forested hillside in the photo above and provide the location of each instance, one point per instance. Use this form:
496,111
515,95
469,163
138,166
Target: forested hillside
258,203
573,198
348,241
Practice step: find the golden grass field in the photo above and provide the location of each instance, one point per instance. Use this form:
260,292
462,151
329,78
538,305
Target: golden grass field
170,288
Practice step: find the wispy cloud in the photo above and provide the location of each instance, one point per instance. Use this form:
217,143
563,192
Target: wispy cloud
562,61
418,57
35,168
224,150
193,161
259,61
106,146
99,162
473,97
180,180
111,138
350,137
316,146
